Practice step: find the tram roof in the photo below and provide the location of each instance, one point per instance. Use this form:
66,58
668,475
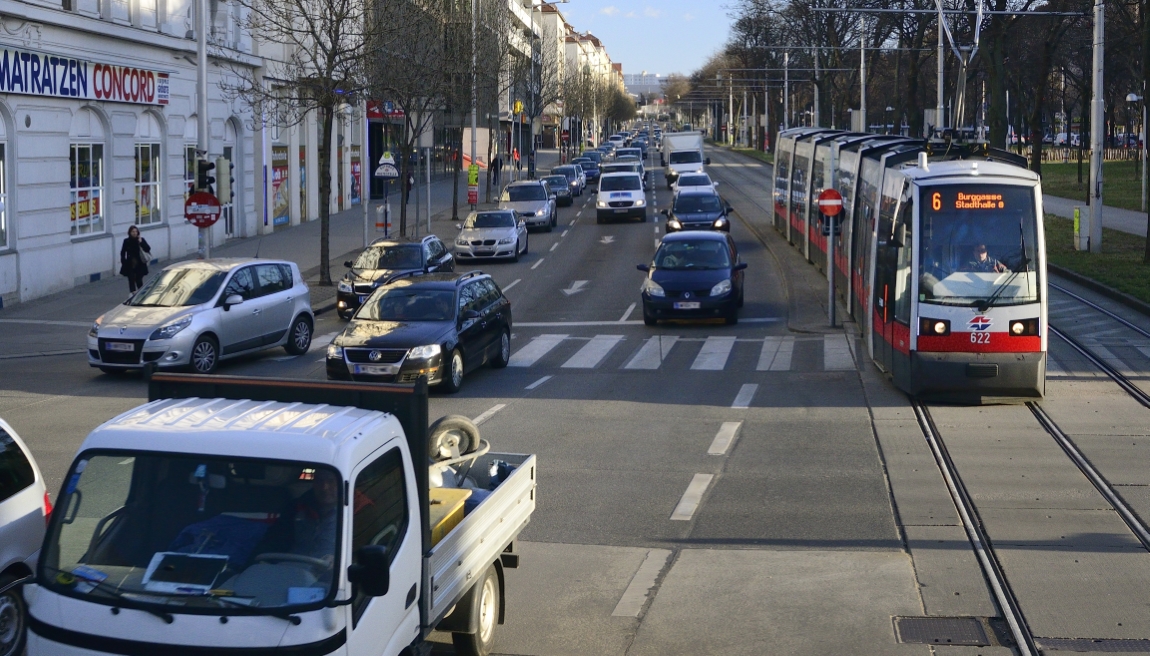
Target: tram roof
966,168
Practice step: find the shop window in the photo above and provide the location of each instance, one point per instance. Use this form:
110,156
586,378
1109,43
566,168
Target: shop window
3,196
147,183
87,209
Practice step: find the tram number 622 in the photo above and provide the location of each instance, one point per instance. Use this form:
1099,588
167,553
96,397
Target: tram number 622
979,338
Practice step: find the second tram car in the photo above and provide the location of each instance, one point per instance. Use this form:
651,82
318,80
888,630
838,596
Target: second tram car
939,256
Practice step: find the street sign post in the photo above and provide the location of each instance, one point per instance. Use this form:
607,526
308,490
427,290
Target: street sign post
473,185
830,204
202,209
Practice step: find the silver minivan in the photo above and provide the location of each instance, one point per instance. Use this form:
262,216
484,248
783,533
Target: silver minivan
195,314
24,510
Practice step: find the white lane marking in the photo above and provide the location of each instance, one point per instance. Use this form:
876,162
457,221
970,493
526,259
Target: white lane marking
714,354
776,354
536,265
760,320
489,414
656,229
635,596
653,353
627,314
37,322
513,283
538,382
579,213
656,242
535,349
572,222
574,324
691,498
837,353
607,239
554,246
724,437
593,352
576,287
563,234
745,396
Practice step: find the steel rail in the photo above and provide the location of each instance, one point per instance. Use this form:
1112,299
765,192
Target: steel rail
1101,309
1133,390
988,562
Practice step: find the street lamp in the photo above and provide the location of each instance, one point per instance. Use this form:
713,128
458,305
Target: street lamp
1133,98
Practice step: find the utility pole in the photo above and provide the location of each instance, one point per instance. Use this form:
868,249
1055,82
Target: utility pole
202,102
938,108
817,119
862,74
1096,129
474,82
731,105
786,90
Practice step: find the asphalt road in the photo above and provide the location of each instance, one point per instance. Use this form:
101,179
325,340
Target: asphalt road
703,488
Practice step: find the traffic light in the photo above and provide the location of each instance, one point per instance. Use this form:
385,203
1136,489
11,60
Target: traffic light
226,188
204,179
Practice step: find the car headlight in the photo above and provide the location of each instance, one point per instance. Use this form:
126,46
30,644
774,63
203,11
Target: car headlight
720,222
460,241
600,204
574,183
94,331
542,212
170,330
424,352
507,240
723,287
674,224
640,203
653,288
344,286
334,352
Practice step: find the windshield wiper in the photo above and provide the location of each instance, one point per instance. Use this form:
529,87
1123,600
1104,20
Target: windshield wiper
984,305
115,592
285,615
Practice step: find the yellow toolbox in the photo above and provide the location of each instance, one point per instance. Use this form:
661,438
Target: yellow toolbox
446,510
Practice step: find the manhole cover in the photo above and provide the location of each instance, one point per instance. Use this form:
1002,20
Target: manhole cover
941,631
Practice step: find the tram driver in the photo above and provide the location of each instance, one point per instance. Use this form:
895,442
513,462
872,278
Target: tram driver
983,263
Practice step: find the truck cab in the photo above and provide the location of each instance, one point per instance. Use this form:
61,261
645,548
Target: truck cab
279,516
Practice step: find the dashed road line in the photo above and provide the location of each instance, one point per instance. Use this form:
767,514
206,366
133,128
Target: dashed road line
489,414
513,283
635,596
745,396
554,246
564,233
538,382
689,503
724,438
536,265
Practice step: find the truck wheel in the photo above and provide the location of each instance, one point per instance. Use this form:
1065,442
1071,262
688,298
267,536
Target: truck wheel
13,619
481,642
451,431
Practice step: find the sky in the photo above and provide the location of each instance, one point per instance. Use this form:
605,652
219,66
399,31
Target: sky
657,36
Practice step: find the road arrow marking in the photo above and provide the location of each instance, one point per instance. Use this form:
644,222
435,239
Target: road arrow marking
575,287
607,239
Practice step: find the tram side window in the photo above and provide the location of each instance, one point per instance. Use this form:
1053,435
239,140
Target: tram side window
782,174
799,183
904,232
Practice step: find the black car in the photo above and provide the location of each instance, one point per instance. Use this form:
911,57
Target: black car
572,175
437,325
590,167
698,210
695,275
561,188
383,260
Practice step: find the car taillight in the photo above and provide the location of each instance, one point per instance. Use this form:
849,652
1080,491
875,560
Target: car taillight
47,508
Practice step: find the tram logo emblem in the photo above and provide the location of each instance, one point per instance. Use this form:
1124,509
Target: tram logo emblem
980,322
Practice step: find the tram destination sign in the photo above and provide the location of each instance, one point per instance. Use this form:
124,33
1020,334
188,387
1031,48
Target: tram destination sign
967,201
33,73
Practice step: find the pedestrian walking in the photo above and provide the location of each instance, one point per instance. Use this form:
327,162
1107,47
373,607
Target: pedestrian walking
518,163
135,253
496,169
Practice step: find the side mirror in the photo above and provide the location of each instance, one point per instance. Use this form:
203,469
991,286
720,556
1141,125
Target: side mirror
707,161
728,209
347,264
643,267
665,212
459,226
234,299
714,184
468,315
740,266
371,573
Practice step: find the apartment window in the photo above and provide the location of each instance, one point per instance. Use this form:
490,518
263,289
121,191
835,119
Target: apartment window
3,193
144,13
87,163
147,183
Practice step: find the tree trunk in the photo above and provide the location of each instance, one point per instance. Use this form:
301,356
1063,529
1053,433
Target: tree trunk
994,60
326,117
1044,66
404,172
455,173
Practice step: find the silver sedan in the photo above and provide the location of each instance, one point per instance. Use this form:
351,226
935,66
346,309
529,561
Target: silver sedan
491,234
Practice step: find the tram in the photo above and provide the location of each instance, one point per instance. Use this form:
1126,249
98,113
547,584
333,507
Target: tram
939,256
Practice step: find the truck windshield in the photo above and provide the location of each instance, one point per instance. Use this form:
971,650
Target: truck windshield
195,533
978,245
686,157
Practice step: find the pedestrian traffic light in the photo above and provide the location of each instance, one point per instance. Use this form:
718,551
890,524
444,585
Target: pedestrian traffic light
226,188
204,179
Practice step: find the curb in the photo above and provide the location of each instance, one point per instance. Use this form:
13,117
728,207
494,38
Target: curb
1129,301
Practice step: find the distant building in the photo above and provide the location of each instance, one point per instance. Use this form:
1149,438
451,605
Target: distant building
643,83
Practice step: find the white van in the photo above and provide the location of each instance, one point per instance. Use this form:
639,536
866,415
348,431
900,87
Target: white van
620,196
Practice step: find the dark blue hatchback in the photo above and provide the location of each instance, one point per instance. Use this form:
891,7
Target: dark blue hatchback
695,275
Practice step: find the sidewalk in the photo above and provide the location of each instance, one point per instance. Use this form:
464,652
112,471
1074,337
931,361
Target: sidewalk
300,244
1114,218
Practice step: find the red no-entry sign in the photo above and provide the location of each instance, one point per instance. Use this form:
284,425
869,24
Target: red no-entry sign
830,202
202,209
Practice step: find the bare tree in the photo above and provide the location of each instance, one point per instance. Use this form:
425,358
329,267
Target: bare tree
315,53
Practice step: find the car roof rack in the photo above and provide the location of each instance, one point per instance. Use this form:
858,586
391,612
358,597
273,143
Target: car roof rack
469,275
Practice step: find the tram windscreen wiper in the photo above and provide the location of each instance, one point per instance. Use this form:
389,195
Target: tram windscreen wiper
984,304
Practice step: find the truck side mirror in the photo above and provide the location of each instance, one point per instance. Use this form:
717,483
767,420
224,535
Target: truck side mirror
371,573
707,161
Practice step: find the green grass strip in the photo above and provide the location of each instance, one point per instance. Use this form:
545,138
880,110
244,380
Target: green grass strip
1119,265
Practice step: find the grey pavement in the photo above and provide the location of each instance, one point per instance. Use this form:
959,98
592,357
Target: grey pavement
1115,218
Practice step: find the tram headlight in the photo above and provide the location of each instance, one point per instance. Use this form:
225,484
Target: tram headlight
1023,327
933,327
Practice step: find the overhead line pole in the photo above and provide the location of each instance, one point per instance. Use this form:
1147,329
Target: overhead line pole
1096,129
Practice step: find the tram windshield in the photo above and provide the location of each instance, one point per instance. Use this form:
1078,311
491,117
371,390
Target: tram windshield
978,245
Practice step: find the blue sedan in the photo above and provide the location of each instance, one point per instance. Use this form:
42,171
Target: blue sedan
695,275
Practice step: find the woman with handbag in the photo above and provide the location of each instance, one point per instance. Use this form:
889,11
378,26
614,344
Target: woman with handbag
135,253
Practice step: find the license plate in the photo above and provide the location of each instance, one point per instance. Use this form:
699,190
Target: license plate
119,346
484,253
622,211
375,369
687,305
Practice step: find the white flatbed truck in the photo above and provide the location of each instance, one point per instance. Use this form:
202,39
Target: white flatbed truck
268,516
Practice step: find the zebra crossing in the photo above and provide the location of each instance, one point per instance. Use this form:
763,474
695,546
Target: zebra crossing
710,353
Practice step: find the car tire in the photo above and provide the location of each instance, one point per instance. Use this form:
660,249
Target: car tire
299,336
648,320
526,243
451,431
732,318
205,356
740,303
13,619
482,641
453,377
504,355
515,253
